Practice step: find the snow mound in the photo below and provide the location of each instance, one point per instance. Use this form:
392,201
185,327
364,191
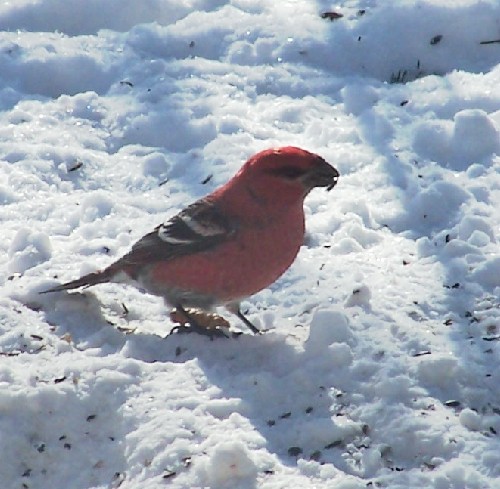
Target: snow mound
229,464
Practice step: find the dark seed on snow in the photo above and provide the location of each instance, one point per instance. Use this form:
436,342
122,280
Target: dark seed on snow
421,353
294,451
333,444
316,455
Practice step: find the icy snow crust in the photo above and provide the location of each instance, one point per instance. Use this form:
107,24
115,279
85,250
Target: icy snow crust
380,366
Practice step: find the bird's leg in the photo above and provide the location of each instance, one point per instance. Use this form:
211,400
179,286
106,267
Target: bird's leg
247,322
195,327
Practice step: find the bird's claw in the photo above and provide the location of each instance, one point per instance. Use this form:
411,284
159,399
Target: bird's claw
201,322
191,320
194,328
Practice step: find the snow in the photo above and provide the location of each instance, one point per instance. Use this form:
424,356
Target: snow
379,366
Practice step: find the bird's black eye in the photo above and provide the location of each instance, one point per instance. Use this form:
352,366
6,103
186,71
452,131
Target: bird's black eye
289,171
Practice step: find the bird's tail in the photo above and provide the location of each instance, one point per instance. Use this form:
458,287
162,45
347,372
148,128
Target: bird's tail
85,281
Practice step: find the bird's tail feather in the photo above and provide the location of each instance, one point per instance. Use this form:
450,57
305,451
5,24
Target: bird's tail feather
85,281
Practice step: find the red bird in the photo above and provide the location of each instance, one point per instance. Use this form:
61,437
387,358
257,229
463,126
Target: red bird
230,244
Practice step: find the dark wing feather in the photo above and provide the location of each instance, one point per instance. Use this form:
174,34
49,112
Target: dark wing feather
199,227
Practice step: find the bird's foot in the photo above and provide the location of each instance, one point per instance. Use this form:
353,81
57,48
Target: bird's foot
201,322
247,322
194,328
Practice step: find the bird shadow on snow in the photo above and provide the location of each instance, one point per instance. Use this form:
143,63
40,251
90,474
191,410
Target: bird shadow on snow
285,391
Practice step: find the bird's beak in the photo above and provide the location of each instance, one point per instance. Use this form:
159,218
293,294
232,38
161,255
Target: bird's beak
322,175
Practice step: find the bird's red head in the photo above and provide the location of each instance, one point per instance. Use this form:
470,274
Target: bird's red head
290,167
278,178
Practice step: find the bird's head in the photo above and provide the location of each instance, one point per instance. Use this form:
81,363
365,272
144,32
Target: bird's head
288,173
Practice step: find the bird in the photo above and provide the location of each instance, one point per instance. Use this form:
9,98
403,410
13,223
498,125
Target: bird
228,245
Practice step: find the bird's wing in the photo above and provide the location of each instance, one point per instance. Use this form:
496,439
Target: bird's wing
199,227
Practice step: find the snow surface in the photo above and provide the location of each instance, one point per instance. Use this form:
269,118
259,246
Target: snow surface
380,366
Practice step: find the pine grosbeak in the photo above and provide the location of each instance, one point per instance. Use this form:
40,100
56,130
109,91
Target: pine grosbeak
230,244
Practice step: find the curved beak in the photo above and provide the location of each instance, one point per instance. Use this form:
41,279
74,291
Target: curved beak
322,175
